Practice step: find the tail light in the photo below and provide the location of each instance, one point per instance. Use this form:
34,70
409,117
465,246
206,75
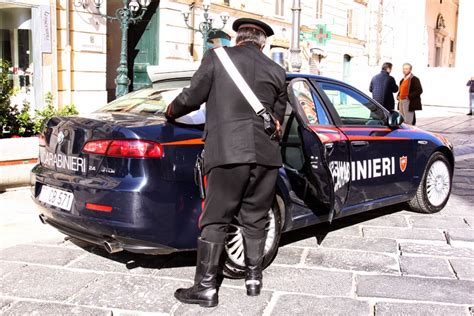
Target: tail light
124,148
97,147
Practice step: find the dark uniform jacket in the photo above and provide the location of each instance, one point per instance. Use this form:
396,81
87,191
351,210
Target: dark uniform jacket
383,86
233,133
414,93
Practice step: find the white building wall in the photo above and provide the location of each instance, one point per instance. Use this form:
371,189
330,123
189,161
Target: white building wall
447,86
388,30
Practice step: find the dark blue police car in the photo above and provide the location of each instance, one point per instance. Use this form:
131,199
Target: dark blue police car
123,177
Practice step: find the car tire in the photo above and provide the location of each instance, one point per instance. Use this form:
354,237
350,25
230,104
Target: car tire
234,266
435,187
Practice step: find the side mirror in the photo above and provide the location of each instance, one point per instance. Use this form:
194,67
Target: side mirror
395,119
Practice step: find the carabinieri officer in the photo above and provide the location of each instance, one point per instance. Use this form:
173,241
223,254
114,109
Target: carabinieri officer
240,159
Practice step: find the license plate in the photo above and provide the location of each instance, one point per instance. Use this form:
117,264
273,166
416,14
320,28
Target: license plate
56,197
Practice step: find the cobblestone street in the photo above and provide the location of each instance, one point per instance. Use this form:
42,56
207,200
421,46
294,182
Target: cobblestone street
389,261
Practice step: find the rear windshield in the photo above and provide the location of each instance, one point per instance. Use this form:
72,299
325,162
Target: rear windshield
149,101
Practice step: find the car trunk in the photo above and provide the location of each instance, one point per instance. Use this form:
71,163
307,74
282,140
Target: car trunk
64,139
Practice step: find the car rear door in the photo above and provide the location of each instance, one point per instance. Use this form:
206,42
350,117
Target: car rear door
381,157
313,151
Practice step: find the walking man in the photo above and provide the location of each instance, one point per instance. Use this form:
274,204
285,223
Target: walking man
383,86
241,161
409,95
470,84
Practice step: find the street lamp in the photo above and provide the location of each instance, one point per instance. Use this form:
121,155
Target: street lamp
131,12
295,49
205,27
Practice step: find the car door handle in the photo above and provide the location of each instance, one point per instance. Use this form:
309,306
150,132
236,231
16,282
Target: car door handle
329,148
359,143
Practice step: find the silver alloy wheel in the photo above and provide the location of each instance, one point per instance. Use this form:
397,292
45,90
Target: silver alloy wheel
234,245
438,183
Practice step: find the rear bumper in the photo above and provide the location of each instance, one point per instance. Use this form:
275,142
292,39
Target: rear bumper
121,243
157,218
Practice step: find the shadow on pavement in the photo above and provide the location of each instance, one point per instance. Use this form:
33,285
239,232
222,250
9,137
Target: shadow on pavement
134,260
320,231
188,258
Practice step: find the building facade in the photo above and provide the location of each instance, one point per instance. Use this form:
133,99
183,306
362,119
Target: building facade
54,47
26,43
346,39
333,42
67,48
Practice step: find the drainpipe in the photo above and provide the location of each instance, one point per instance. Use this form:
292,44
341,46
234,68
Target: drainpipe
295,50
67,61
193,19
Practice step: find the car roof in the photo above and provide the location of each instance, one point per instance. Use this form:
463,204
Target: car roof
170,72
187,70
293,75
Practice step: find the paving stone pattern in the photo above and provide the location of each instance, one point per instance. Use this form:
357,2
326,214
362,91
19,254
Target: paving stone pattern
386,262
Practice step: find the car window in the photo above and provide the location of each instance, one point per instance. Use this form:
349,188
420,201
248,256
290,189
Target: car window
353,108
150,101
310,104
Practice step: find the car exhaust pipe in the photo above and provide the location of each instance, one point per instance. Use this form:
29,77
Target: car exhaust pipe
42,219
112,246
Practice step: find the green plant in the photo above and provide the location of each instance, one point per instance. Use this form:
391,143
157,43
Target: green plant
24,121
13,122
6,92
42,116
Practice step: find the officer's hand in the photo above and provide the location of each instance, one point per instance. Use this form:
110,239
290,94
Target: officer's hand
278,129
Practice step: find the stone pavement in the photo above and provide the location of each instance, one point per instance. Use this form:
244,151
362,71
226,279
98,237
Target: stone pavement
387,262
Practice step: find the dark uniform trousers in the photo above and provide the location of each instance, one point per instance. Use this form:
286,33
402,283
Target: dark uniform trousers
245,191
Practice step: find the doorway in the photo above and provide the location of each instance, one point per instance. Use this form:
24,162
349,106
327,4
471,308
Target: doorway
17,50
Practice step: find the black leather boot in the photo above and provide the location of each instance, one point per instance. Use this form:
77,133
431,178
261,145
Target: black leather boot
254,265
204,290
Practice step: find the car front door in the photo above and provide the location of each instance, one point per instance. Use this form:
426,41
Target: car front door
314,152
381,157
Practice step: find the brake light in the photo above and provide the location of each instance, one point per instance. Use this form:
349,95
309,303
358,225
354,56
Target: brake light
124,148
135,149
98,147
99,207
42,140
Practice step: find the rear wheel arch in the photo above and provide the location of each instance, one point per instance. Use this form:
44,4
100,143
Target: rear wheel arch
234,265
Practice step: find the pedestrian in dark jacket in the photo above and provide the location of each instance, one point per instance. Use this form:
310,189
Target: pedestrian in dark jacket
409,96
383,86
241,161
470,84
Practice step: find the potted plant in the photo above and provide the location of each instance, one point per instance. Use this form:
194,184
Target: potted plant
19,130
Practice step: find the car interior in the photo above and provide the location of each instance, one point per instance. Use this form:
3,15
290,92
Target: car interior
291,145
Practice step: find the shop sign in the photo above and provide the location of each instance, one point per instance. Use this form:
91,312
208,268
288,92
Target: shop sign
45,14
320,35
89,42
281,42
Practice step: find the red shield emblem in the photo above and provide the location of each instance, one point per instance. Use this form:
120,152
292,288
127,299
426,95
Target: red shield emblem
403,163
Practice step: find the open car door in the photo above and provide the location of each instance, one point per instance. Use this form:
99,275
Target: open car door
304,154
